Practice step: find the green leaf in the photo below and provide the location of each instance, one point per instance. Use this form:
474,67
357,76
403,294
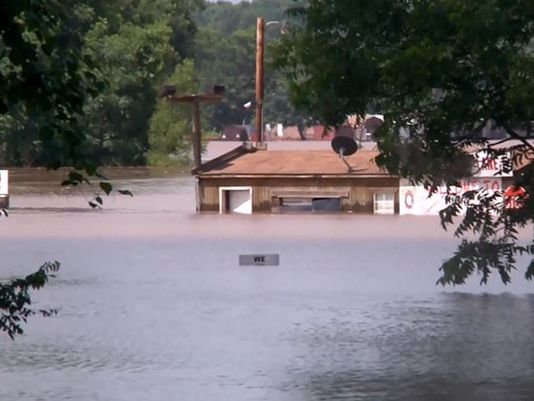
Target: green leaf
529,275
15,299
75,177
125,192
90,170
106,187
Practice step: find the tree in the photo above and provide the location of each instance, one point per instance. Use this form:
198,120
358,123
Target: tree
134,59
441,71
15,299
225,50
169,134
59,108
228,61
136,43
226,18
46,77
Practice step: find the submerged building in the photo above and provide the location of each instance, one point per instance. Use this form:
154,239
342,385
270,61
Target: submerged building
249,180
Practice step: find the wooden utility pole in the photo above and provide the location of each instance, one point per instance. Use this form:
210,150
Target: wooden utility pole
195,101
197,134
260,46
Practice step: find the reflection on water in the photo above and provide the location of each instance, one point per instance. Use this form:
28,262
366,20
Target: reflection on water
464,347
153,306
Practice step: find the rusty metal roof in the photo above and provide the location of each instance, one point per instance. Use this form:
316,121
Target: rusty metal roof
297,162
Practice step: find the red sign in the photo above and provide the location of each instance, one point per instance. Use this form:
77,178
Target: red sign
514,197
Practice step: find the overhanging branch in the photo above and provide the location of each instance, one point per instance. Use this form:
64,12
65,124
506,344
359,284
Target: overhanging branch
520,138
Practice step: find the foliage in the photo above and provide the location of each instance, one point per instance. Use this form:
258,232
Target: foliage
226,18
133,60
228,61
45,78
225,52
115,55
169,135
138,43
442,73
15,299
94,66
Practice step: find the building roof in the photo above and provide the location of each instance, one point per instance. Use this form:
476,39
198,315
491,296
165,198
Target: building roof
295,163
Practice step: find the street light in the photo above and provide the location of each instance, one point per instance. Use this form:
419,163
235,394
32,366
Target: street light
270,23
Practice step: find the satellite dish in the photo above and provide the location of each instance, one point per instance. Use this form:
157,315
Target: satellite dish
344,146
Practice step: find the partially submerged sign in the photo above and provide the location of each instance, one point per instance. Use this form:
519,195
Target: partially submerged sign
4,188
488,165
4,191
259,260
417,200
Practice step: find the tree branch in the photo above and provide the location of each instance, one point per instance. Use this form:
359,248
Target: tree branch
520,138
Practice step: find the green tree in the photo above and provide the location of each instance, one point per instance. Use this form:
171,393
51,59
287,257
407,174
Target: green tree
441,71
226,18
45,77
169,135
228,61
225,51
15,299
136,43
133,60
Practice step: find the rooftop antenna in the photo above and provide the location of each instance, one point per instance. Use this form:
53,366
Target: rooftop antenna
344,146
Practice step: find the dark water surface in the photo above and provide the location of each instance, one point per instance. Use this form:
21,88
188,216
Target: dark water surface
153,306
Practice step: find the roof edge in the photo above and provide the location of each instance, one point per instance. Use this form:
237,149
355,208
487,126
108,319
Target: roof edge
224,158
300,175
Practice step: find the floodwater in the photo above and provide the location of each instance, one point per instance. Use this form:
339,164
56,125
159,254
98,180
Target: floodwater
153,305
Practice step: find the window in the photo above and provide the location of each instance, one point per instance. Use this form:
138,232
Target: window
384,203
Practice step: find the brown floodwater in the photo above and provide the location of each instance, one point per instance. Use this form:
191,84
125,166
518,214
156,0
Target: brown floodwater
154,306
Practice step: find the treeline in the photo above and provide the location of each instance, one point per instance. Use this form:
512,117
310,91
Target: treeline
138,46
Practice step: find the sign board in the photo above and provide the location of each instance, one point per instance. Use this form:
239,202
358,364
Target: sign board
493,166
4,184
415,199
514,197
259,260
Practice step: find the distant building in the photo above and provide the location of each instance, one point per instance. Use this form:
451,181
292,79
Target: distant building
235,133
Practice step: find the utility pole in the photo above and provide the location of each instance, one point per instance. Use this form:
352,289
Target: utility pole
197,134
260,51
168,92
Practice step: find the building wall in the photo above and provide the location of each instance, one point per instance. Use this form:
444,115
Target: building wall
356,193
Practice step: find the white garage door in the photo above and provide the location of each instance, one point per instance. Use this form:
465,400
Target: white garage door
235,200
240,202
4,182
